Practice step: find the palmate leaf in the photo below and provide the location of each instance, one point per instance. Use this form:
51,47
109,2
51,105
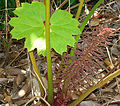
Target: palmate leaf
30,24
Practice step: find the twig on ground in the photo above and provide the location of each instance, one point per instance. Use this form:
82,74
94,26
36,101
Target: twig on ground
35,98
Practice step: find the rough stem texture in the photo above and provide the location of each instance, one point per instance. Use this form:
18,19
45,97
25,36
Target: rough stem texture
91,89
49,68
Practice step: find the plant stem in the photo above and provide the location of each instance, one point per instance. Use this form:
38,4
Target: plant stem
39,78
63,3
17,3
34,64
84,23
6,19
91,89
76,17
86,19
47,28
79,9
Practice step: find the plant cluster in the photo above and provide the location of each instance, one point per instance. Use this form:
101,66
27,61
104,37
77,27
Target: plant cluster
33,22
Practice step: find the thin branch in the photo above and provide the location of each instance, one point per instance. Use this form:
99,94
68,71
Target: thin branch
63,3
91,89
7,9
73,7
6,24
35,98
55,4
79,9
15,58
69,6
108,52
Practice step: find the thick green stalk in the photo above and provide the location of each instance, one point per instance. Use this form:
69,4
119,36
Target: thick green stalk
91,89
86,20
39,78
79,9
34,64
17,3
47,28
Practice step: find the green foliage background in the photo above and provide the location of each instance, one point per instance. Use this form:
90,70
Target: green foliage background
11,4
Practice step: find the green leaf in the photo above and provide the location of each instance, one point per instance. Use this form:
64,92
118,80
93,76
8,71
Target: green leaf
63,26
30,25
